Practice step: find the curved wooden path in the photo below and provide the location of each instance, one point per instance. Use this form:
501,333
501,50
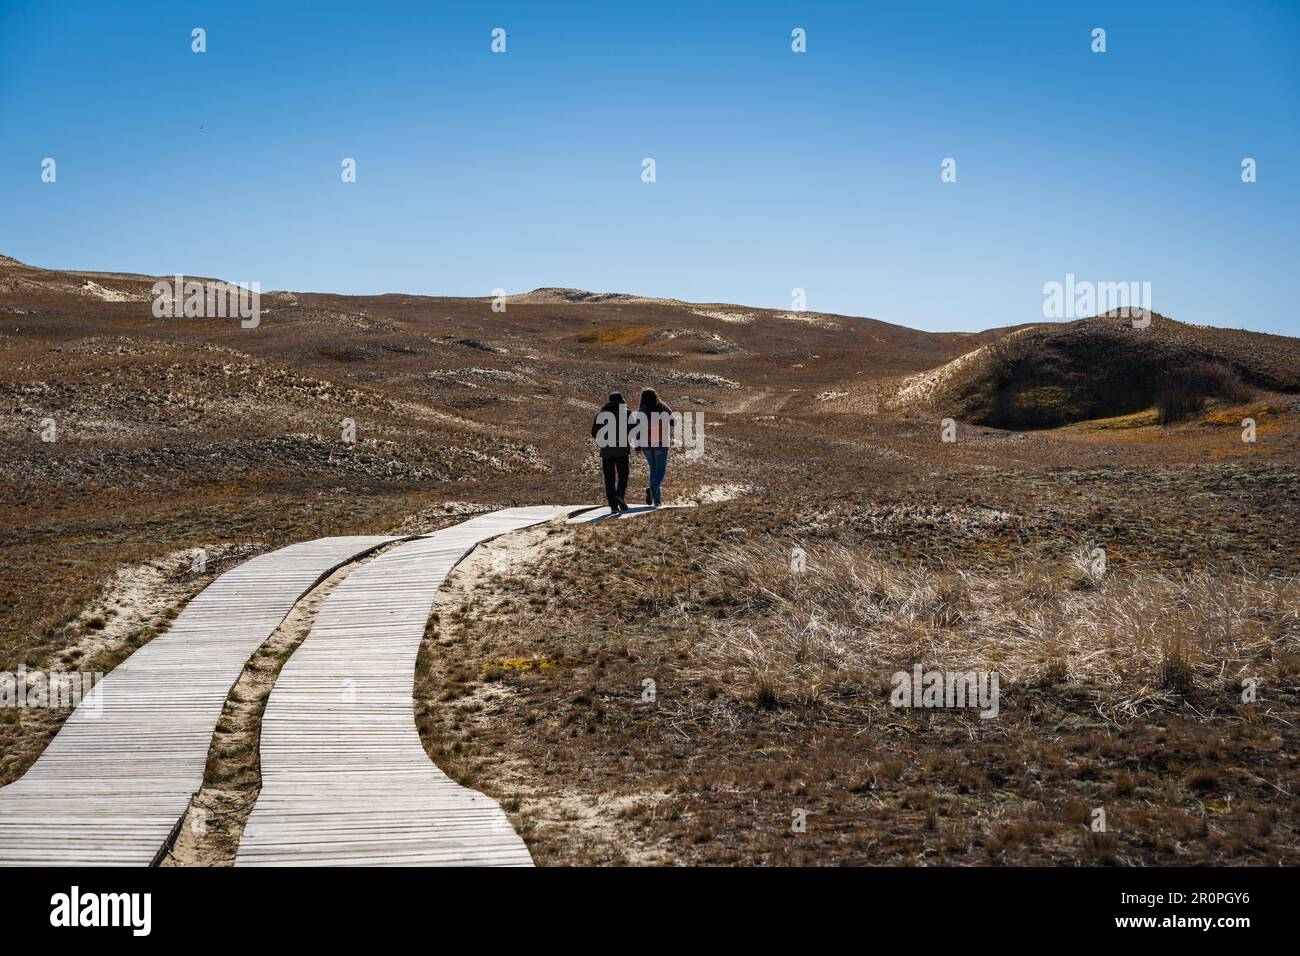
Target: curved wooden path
345,779
111,786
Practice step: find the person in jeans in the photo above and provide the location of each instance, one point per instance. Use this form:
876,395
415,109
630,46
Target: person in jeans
610,429
655,428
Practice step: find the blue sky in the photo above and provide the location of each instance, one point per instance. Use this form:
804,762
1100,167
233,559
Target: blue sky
775,170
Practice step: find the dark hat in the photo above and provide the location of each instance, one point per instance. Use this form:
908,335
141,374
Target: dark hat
616,398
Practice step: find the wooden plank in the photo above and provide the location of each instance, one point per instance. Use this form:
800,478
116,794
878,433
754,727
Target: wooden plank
345,779
118,775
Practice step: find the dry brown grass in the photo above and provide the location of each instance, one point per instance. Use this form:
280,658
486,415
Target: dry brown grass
1142,641
773,695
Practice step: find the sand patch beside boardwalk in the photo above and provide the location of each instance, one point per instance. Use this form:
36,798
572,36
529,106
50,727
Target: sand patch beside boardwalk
137,603
458,701
140,600
711,494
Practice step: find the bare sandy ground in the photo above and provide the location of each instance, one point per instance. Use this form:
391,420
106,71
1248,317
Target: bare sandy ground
143,596
709,494
557,808
108,295
738,318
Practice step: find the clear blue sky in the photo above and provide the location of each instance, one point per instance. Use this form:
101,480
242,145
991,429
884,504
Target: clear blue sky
775,170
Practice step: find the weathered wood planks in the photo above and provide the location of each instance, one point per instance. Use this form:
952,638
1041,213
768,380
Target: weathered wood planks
111,785
345,779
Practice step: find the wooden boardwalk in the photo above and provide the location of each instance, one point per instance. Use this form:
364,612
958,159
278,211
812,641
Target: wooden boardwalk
602,514
345,779
114,781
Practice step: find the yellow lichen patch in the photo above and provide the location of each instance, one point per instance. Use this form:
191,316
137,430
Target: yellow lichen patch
634,335
525,663
1231,417
1143,419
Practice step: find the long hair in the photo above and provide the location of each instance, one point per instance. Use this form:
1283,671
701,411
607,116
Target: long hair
650,401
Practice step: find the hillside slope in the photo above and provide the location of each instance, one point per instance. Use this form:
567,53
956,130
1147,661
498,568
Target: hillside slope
1051,375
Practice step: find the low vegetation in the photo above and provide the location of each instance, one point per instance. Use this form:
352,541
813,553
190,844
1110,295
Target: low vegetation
1123,688
1139,642
1121,683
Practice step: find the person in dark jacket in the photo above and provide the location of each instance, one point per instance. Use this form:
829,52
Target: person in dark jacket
610,429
